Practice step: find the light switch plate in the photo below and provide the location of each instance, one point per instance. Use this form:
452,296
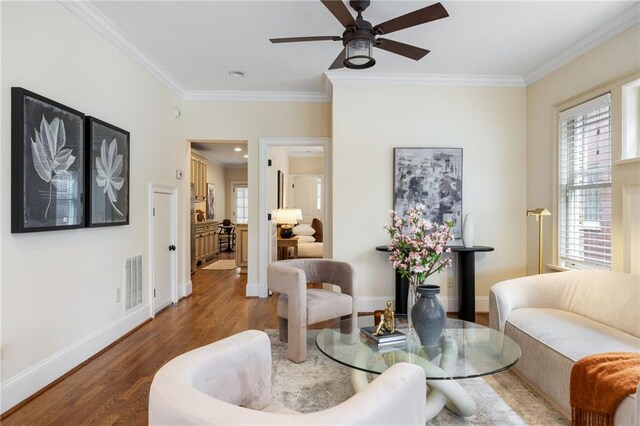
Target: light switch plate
178,174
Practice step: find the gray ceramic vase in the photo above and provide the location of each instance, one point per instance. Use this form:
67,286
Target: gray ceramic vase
428,315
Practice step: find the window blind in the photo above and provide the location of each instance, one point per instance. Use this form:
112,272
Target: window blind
585,185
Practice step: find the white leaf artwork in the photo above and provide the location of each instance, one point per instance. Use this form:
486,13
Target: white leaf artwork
109,166
50,160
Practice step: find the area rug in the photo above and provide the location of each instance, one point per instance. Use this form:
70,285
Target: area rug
320,383
222,265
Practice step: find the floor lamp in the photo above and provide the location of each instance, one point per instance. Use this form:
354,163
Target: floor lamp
538,213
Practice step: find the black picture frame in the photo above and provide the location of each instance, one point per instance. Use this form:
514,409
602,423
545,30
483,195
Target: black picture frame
280,201
107,171
429,176
47,164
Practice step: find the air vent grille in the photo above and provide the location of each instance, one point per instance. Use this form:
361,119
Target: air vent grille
132,282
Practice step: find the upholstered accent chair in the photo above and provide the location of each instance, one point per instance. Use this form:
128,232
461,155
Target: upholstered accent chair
299,306
229,383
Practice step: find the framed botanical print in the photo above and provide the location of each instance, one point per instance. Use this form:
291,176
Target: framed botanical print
47,164
107,174
432,177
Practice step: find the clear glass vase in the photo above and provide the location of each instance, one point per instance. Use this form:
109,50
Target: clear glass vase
412,298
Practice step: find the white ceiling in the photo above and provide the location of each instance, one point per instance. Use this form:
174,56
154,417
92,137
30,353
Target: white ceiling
223,152
196,44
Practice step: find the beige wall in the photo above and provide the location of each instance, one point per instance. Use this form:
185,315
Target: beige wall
216,174
306,165
614,58
488,123
59,287
206,120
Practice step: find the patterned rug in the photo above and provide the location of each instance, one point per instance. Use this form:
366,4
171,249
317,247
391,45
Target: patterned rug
320,383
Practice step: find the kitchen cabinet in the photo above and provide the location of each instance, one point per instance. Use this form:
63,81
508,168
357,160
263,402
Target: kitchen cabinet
199,177
242,247
206,237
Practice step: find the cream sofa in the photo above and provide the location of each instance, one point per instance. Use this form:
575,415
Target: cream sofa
558,318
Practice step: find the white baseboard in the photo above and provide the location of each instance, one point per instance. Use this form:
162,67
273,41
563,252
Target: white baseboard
185,289
252,290
450,304
36,377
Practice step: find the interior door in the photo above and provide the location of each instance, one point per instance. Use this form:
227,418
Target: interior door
163,250
306,192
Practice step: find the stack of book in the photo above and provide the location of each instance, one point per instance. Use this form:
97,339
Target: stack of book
386,339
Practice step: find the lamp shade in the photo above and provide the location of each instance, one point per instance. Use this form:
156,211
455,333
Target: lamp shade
359,54
286,217
298,214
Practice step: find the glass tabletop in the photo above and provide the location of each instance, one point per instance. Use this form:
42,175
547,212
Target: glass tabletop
464,350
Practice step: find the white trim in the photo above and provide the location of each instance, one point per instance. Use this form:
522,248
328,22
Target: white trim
94,18
257,96
185,289
349,77
627,216
450,304
260,288
621,22
36,377
253,290
172,191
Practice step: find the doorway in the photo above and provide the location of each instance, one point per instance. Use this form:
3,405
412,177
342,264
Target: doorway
162,245
269,200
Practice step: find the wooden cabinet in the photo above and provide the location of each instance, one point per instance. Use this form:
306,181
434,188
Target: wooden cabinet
242,247
199,177
206,236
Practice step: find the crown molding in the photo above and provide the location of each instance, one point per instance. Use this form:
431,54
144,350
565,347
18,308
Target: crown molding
621,22
342,77
260,96
97,20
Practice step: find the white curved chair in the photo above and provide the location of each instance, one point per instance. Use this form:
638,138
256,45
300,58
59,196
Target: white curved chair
229,383
299,306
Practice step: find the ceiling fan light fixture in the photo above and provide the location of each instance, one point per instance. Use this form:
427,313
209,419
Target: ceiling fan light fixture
359,54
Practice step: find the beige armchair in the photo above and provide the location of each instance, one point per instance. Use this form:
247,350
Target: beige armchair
299,306
229,383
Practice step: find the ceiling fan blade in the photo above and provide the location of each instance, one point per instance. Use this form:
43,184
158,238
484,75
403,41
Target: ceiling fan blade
312,38
402,49
339,62
417,17
340,11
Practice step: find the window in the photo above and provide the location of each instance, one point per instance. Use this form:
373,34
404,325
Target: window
585,185
242,203
319,193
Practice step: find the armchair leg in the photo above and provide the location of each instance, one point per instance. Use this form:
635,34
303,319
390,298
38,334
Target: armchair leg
348,328
284,329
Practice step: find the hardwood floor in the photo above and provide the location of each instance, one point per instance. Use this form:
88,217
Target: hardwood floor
113,388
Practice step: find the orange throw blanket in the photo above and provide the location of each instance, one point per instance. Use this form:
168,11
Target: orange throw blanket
599,383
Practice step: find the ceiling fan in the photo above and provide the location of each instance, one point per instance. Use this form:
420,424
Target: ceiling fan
359,36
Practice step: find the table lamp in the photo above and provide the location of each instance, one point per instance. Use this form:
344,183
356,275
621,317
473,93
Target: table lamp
538,213
286,218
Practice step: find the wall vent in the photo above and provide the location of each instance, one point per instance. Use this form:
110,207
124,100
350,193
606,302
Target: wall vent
132,282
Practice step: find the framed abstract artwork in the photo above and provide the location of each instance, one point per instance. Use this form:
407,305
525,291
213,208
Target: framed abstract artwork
107,174
47,164
432,177
211,201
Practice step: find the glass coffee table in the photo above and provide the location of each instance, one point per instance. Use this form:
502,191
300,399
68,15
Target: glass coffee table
464,350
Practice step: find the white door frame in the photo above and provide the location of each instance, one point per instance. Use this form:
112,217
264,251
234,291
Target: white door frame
172,191
263,230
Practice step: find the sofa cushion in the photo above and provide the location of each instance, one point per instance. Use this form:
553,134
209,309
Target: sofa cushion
571,334
552,340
